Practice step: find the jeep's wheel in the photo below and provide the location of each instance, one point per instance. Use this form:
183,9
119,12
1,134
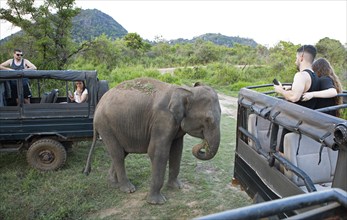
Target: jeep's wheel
46,154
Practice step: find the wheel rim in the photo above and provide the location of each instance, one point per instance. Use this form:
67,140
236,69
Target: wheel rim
46,156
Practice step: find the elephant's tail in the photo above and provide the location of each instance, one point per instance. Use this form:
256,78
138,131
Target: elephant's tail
88,166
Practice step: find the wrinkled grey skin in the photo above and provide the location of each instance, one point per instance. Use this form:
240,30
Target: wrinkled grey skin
149,116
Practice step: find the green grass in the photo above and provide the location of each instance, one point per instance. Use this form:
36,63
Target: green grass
26,193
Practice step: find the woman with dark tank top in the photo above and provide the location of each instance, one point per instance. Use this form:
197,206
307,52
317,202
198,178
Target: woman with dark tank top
304,80
329,86
19,63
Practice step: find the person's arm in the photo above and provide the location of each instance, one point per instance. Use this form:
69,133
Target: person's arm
72,97
4,65
28,65
327,93
84,95
297,90
4,68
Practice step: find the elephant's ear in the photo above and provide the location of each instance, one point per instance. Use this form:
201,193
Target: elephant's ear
179,102
198,84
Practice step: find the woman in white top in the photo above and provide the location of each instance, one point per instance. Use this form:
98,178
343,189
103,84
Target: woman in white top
80,94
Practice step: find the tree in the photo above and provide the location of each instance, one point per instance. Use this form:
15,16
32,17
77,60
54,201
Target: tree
332,50
51,31
205,52
281,60
133,41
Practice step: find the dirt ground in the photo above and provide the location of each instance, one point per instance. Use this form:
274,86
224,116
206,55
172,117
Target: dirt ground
228,105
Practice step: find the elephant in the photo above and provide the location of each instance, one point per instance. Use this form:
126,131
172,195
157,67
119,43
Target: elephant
146,115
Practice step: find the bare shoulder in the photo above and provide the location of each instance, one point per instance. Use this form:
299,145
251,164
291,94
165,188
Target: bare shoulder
303,76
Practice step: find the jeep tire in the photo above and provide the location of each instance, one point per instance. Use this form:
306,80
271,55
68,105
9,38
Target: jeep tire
46,154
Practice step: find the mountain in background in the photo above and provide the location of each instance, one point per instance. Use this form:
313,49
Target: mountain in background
89,24
218,39
92,23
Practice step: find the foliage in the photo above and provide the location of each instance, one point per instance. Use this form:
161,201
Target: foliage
336,53
48,34
133,41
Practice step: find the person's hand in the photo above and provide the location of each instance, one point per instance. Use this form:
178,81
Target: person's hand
279,88
307,96
72,98
287,88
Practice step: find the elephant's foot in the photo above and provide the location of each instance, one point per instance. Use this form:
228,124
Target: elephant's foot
113,183
175,184
156,199
127,187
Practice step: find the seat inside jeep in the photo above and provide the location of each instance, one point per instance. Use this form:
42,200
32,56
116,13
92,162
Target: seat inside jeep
260,128
304,153
50,97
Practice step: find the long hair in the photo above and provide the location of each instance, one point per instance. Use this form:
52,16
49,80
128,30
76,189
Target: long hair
323,68
84,85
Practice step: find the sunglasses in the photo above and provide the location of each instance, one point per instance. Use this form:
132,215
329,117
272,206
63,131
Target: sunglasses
19,54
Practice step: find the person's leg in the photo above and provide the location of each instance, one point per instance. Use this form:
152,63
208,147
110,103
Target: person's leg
27,93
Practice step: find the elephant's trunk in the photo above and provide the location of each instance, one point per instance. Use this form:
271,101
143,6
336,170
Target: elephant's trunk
207,149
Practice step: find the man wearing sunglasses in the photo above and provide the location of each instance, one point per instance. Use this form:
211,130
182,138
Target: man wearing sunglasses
19,63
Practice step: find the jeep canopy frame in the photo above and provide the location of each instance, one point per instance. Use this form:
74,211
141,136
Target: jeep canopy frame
90,77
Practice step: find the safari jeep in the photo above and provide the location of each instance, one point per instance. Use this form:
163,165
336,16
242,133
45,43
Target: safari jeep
49,125
290,159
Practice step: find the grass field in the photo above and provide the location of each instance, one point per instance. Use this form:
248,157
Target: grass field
26,193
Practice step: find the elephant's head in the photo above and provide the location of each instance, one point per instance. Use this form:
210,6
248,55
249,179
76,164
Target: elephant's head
200,117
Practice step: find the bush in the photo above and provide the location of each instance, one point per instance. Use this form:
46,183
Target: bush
238,85
170,79
223,74
192,73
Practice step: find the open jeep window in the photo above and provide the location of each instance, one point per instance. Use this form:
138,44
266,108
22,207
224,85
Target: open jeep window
50,91
49,96
50,99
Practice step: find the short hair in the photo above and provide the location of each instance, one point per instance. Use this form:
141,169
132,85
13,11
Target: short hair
17,50
308,49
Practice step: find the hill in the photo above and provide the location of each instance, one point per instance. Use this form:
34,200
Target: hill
218,39
88,24
92,23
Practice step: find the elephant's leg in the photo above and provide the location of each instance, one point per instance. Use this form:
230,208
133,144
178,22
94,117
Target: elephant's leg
159,157
175,163
112,174
117,174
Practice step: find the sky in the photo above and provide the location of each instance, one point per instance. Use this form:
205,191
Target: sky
266,22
